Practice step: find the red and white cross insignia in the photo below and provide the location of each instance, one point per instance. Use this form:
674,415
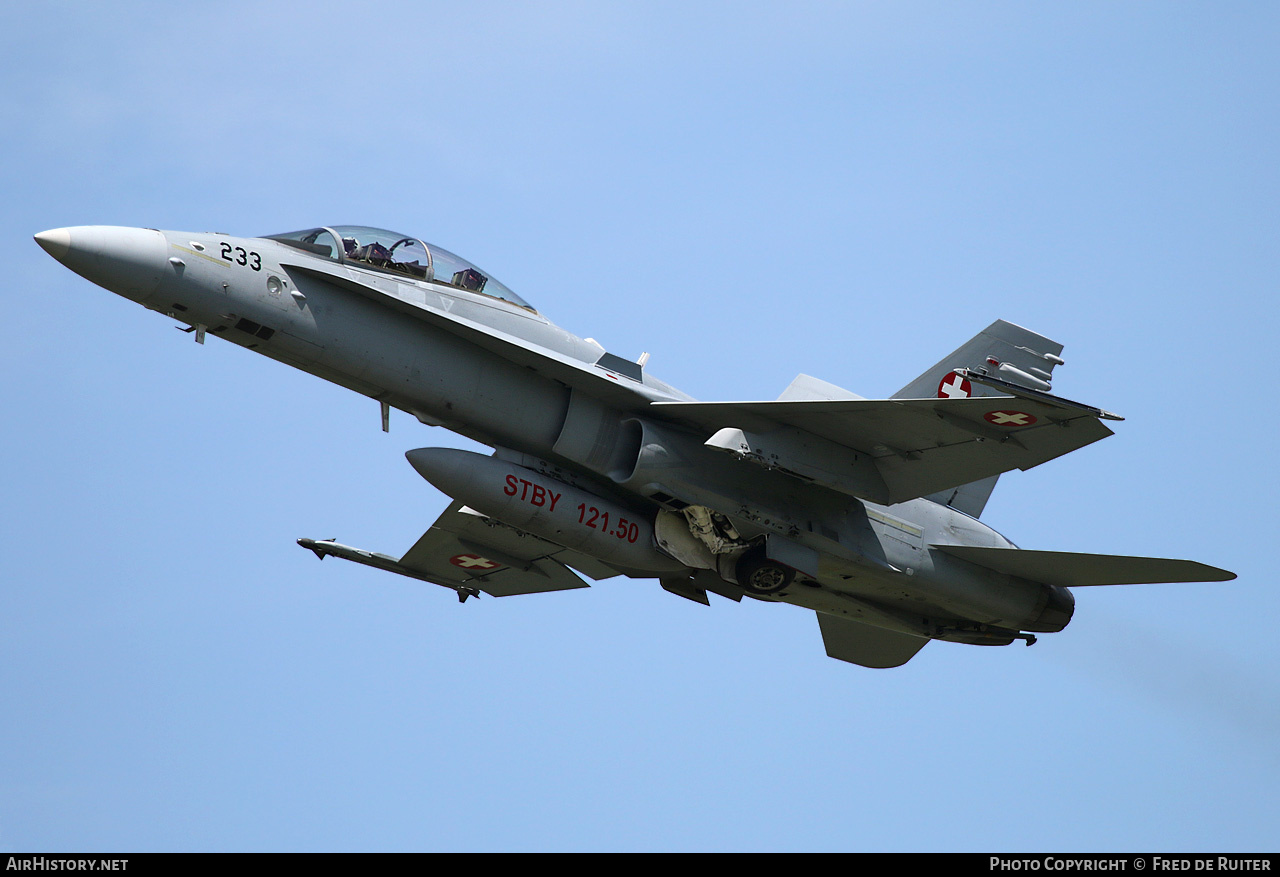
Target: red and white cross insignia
955,387
473,561
1009,418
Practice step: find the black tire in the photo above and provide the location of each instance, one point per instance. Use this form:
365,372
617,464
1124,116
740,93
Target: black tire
758,574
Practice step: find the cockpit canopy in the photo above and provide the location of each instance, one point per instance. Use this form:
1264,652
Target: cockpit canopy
399,254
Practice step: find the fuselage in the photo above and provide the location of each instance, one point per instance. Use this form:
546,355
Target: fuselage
452,356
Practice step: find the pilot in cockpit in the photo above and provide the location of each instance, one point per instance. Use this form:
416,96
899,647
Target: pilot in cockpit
373,252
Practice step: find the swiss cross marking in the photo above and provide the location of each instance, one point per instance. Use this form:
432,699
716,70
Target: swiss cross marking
1009,418
955,387
473,561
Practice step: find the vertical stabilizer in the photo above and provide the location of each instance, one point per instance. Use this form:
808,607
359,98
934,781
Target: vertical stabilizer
1005,351
806,388
1001,350
969,498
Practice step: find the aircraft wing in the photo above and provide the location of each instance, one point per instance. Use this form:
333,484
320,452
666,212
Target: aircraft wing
892,450
466,550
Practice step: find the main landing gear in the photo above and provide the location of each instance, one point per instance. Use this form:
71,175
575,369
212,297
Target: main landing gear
760,576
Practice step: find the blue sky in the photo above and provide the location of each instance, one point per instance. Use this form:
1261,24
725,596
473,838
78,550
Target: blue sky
746,191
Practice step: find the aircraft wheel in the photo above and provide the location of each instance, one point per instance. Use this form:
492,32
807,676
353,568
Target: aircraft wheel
760,575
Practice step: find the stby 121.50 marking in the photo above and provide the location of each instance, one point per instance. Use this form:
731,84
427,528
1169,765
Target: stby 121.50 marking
525,499
588,515
592,517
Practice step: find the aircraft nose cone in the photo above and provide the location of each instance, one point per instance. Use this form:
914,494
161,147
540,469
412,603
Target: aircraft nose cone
127,261
56,242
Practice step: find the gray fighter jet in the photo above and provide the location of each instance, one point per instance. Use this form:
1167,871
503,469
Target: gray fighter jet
863,510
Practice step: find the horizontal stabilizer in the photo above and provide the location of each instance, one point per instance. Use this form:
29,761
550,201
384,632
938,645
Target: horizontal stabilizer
1072,570
866,644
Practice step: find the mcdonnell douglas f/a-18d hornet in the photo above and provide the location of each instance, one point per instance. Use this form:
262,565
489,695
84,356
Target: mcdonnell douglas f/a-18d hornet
865,511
